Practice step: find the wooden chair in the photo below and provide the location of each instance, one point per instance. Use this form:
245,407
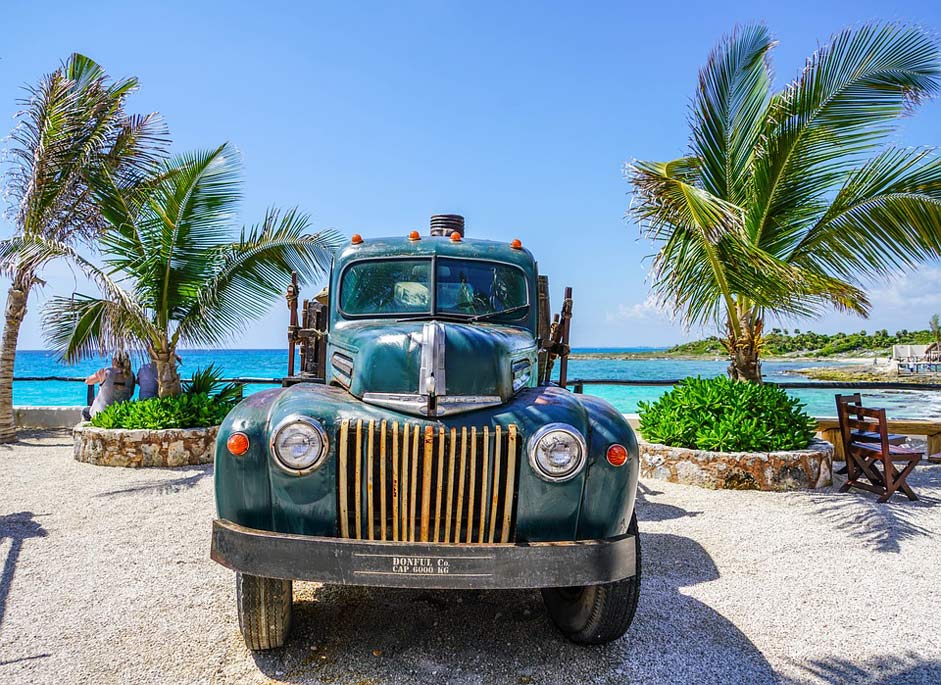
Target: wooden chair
875,462
850,402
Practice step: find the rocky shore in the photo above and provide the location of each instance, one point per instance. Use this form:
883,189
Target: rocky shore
875,369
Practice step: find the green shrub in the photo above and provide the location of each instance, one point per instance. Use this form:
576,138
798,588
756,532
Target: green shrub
205,402
722,415
190,410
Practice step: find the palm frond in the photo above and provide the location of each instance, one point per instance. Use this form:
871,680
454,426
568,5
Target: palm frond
728,111
73,127
885,218
253,272
140,144
184,216
690,224
705,262
670,197
79,327
35,250
133,239
842,106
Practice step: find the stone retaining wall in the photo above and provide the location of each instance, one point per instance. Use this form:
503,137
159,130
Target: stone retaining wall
47,417
169,447
795,470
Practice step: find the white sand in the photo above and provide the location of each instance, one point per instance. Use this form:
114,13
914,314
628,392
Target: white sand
108,580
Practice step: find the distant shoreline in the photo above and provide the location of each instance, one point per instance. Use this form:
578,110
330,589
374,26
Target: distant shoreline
665,354
874,368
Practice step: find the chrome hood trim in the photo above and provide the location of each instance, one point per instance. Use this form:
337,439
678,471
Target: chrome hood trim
431,380
444,405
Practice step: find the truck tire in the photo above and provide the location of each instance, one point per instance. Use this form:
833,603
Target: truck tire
264,606
596,614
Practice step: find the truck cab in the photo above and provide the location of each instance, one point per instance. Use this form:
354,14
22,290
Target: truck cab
424,444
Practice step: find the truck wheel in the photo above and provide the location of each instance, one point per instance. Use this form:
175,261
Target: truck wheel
596,614
264,610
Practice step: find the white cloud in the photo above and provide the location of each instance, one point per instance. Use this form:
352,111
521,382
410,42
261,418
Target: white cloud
648,310
916,291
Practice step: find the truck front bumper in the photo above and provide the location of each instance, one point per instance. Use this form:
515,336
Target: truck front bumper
339,561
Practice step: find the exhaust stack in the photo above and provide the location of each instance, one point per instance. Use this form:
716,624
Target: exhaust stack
446,224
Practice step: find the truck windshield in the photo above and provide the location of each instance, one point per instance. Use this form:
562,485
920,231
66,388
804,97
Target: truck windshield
462,288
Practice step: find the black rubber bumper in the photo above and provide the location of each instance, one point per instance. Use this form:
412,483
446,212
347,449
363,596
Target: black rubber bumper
339,561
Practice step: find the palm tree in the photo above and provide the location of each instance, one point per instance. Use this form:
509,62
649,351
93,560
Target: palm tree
934,324
788,202
71,131
174,273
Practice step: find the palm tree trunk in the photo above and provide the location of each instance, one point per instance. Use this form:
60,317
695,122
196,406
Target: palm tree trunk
744,348
17,296
168,377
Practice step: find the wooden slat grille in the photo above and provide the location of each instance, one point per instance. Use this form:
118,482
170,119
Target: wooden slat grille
423,483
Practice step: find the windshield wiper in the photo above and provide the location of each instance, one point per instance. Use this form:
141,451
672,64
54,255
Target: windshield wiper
490,315
461,318
429,317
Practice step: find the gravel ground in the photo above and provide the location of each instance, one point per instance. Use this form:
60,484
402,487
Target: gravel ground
106,579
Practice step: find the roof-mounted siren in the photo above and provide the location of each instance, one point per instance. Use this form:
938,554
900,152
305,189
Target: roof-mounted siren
446,224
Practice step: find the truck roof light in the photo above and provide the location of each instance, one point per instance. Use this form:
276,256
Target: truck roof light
455,237
516,244
414,235
356,239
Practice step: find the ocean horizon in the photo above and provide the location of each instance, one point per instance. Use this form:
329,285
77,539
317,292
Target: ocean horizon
272,364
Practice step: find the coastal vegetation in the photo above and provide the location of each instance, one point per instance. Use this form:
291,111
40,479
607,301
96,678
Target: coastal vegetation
71,136
789,202
722,415
780,343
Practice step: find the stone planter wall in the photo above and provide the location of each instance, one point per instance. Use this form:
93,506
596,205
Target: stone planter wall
796,470
169,447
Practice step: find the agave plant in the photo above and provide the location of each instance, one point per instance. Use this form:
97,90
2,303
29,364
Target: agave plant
209,381
174,272
790,202
71,135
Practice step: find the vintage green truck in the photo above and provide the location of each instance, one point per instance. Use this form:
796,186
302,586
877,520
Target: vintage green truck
423,445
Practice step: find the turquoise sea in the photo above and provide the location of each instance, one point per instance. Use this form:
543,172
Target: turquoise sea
273,364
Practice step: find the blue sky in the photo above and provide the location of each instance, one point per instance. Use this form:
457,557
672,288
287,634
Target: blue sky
372,116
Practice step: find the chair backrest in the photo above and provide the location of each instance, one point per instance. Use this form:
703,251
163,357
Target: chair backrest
842,400
845,404
841,404
861,418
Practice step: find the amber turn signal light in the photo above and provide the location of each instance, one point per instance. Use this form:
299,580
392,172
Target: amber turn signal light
237,444
455,237
516,244
414,235
617,455
356,239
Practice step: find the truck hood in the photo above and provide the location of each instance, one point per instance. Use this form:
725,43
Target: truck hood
431,368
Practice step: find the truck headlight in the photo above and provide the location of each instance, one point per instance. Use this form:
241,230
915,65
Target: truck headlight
557,452
299,444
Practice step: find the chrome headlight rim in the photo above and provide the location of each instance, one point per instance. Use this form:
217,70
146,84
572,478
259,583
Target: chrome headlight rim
310,422
573,432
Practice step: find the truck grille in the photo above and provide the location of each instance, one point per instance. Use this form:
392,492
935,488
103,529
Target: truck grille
421,483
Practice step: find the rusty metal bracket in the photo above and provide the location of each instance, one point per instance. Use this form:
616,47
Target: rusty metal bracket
293,327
